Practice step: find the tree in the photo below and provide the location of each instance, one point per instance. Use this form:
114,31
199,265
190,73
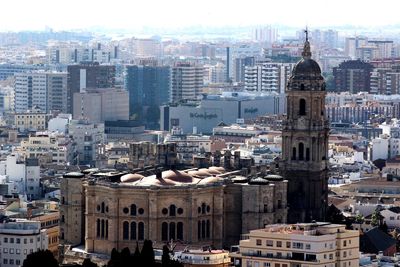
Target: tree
147,254
126,259
379,163
165,260
115,260
43,258
334,215
375,218
88,263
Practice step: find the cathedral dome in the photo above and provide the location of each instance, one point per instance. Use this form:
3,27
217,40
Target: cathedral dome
306,74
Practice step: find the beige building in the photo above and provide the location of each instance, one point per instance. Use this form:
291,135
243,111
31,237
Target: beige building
104,210
299,245
31,121
101,104
48,148
204,258
50,222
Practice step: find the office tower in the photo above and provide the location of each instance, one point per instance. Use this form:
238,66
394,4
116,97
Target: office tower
57,91
99,105
266,34
88,75
187,81
149,87
305,142
30,91
148,48
267,77
330,38
352,76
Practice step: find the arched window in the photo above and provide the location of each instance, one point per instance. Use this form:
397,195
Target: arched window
302,87
208,230
106,235
179,231
198,230
301,151
133,210
307,154
102,207
294,153
98,228
172,231
172,210
203,229
133,230
203,208
302,107
125,230
141,231
164,231
102,228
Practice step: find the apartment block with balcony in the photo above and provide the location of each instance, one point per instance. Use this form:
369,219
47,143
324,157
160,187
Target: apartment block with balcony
299,245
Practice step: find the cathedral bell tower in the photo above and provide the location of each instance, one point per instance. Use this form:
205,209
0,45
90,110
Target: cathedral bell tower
305,141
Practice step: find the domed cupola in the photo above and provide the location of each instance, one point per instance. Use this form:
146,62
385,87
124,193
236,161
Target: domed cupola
306,74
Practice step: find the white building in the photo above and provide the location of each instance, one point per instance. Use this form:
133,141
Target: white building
267,77
391,217
24,175
45,90
187,81
87,137
379,148
312,244
18,239
59,123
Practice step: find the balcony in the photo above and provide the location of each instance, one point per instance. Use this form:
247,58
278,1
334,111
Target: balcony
294,257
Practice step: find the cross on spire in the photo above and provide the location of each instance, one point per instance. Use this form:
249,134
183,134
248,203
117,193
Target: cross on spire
306,32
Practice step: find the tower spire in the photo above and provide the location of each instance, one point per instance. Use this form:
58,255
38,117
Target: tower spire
307,49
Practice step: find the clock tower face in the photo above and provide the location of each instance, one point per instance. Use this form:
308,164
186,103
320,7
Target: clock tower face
305,141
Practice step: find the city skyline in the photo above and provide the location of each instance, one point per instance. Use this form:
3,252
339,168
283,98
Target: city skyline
179,14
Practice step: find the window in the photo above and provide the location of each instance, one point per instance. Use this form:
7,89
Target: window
302,107
18,240
5,250
308,246
298,245
294,153
125,230
141,231
102,207
270,243
331,256
288,244
164,231
301,151
11,240
344,254
344,243
179,231
5,261
133,210
258,242
5,239
17,262
267,264
279,254
133,230
11,251
11,261
279,244
172,210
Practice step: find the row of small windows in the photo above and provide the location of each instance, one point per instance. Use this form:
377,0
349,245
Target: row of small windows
18,240
171,231
11,261
301,155
102,228
172,210
203,209
132,231
102,208
133,210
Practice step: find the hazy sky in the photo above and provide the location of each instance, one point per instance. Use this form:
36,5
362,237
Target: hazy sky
134,14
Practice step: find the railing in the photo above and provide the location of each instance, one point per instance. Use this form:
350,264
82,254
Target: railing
278,257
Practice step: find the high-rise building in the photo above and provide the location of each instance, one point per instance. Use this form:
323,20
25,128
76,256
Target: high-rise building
240,66
44,90
352,76
149,87
187,81
385,81
57,91
99,105
351,45
267,77
88,75
30,91
305,141
266,34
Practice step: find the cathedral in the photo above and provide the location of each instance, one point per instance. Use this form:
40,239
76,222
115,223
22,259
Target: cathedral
305,133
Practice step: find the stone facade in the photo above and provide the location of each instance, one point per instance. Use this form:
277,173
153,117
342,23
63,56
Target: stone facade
196,207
